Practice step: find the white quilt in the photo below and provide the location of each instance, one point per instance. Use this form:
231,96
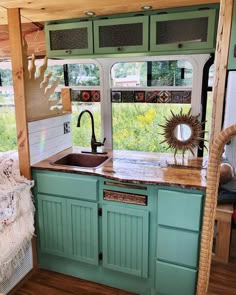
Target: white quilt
16,214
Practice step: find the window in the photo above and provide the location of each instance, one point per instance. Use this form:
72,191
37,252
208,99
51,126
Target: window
154,73
7,109
84,79
142,94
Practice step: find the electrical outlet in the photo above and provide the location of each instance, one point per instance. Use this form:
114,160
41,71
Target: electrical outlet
66,127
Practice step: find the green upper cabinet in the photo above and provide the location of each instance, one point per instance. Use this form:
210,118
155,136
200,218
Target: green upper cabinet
121,35
69,39
189,31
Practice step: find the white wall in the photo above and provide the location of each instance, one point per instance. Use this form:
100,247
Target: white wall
230,116
47,137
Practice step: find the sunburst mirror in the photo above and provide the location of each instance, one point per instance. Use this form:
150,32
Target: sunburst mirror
183,132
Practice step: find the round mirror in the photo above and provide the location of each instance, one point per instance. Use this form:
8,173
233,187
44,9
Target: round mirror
183,132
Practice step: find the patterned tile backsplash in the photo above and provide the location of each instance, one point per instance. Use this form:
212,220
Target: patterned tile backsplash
86,95
156,96
127,96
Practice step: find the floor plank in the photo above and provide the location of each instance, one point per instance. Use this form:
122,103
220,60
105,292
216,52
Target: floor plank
43,282
222,278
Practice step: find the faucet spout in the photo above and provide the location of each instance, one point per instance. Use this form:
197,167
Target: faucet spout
92,121
94,142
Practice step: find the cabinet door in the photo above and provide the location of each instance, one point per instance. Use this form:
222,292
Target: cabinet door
193,30
125,240
69,39
121,35
83,231
180,209
52,225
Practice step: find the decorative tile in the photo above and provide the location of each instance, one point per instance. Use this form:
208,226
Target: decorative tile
127,96
95,95
86,95
152,96
164,97
187,95
116,96
75,95
139,96
176,96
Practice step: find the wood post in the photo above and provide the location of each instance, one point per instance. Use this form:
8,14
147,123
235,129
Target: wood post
66,99
18,72
221,61
19,68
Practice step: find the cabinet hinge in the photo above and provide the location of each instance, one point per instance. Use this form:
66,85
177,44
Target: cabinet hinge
99,211
100,256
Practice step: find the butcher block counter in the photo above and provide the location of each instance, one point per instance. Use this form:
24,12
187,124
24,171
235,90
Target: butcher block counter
139,167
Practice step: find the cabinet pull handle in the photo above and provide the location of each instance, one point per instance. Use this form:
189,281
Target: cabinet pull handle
68,51
131,186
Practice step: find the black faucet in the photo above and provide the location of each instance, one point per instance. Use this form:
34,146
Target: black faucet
94,142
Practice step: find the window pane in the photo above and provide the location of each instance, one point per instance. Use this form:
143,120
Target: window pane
83,75
129,74
136,125
57,72
81,136
7,110
171,73
85,98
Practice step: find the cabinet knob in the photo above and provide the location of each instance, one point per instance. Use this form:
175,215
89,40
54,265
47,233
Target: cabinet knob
180,45
119,48
68,51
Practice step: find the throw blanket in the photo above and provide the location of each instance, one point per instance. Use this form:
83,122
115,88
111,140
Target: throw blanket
16,215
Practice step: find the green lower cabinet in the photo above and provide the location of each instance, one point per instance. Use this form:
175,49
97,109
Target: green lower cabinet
68,228
125,240
174,280
146,248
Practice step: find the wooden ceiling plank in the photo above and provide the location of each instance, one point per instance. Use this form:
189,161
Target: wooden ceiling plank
44,10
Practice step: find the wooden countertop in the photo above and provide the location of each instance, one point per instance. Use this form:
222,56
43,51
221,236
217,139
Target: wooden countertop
139,167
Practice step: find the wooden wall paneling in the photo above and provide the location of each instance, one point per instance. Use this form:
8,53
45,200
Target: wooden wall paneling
221,61
47,137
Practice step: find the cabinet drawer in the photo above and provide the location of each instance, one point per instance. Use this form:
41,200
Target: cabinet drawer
179,209
65,184
177,246
175,280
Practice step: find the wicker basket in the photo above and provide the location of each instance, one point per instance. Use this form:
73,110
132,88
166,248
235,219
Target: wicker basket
213,173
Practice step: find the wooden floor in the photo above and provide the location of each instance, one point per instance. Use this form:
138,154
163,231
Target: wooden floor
222,282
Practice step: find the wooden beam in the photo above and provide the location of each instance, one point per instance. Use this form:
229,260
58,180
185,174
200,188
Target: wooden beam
221,61
19,69
18,72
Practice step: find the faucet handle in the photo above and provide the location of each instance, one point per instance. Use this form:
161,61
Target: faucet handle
104,140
